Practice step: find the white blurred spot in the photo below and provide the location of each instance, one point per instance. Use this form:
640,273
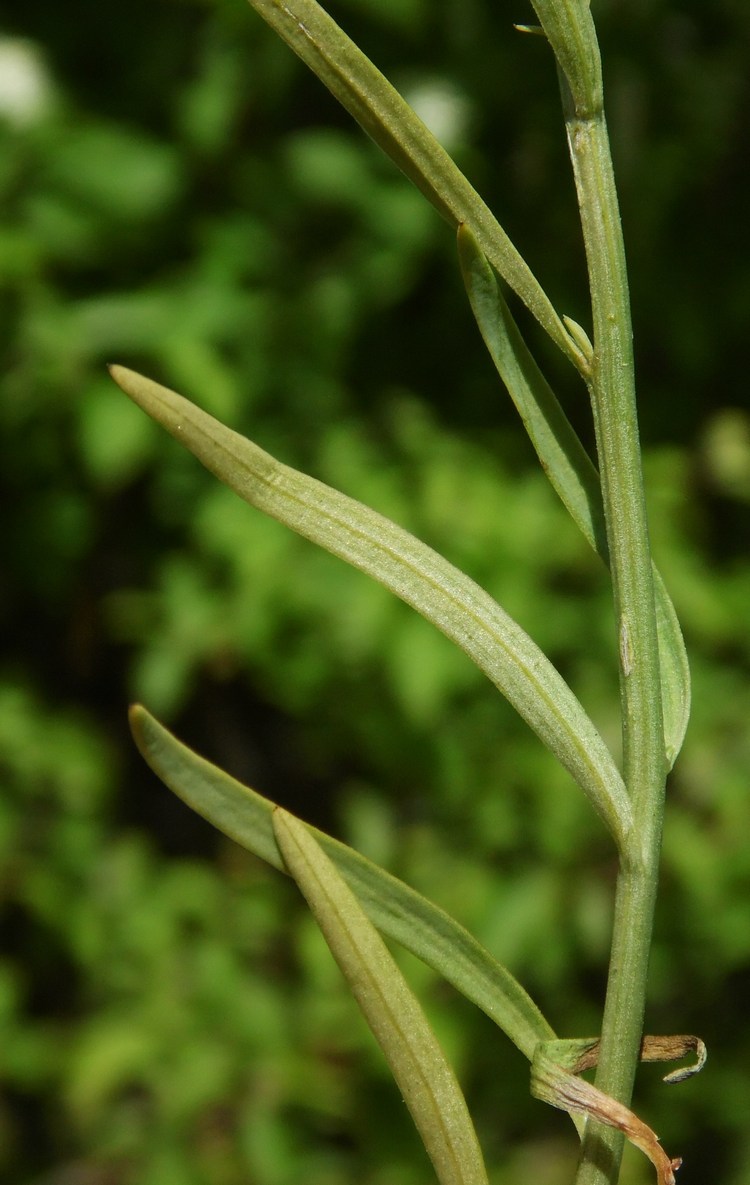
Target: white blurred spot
442,107
25,84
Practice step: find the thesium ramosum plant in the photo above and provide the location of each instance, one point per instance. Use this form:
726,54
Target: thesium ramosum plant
351,898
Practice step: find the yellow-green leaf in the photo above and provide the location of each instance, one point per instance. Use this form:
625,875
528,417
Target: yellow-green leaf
397,129
418,1064
395,908
568,466
447,597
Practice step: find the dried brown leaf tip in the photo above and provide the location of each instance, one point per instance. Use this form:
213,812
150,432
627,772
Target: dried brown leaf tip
554,1080
653,1049
588,1100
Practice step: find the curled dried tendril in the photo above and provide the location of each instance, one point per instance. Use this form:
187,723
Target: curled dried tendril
554,1080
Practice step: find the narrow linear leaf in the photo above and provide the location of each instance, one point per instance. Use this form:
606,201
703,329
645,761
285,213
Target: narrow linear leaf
396,909
448,598
400,133
564,459
418,1064
568,466
675,671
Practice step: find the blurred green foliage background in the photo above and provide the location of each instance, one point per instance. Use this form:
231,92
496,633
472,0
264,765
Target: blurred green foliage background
177,194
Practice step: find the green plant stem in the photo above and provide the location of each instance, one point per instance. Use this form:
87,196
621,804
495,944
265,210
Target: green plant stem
612,391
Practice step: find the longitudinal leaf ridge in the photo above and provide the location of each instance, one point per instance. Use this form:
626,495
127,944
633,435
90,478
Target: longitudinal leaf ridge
445,596
398,910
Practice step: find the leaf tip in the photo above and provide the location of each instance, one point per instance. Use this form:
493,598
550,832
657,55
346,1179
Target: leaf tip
130,382
582,342
701,1053
119,373
534,30
286,830
137,718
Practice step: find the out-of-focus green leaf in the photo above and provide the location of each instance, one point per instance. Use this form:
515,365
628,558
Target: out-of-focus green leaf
425,580
397,910
93,162
125,175
418,1064
114,446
